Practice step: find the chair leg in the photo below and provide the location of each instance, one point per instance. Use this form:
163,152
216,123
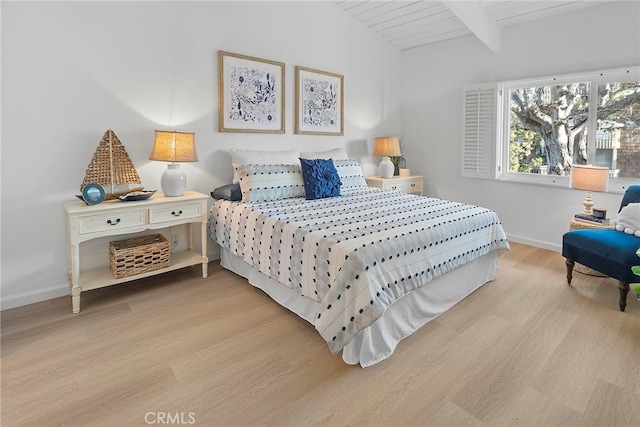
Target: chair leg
569,265
624,290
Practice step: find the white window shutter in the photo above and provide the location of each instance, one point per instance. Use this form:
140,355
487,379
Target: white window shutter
480,130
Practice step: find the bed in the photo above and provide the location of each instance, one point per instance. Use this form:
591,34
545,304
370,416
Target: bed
366,267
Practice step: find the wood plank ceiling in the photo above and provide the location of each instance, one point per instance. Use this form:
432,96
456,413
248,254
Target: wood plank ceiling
411,23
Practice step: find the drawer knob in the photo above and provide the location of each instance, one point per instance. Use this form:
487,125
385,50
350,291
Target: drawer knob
413,184
113,222
174,213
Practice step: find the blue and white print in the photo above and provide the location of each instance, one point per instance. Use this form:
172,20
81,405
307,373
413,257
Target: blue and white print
320,103
253,95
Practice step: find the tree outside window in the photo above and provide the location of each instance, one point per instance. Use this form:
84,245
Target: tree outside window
553,126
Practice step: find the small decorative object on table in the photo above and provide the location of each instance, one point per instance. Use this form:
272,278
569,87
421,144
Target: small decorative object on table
136,195
398,163
111,168
593,219
599,213
93,194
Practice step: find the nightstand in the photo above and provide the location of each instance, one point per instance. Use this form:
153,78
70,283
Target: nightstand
409,184
116,218
576,224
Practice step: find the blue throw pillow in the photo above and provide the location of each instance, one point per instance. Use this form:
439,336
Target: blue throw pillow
320,178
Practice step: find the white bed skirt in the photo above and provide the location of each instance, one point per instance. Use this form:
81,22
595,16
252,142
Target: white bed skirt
400,320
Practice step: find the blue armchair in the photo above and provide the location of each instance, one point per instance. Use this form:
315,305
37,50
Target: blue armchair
608,251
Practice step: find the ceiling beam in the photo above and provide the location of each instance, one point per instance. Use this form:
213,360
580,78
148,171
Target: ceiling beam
473,15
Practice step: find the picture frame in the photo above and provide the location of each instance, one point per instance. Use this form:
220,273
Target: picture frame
319,102
250,94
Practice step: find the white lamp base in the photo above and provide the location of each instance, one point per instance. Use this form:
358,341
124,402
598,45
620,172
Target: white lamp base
588,204
173,181
386,168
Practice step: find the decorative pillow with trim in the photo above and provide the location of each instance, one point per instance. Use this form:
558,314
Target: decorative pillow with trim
257,157
351,174
628,220
266,183
321,179
335,154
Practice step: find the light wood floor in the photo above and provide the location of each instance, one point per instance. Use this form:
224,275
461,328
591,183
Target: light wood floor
525,349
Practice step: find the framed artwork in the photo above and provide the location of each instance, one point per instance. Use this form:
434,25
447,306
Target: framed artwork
250,94
319,102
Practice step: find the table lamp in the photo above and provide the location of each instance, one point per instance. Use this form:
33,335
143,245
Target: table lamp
174,147
385,147
589,178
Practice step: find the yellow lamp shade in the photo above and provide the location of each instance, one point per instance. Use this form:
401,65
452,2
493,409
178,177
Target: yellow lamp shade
388,146
171,146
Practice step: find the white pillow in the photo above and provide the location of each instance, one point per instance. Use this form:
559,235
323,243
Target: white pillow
335,154
628,219
257,157
351,175
266,183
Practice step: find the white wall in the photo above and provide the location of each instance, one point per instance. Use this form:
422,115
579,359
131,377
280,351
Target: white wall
434,76
72,70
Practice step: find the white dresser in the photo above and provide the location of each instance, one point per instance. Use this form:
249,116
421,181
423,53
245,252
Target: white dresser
413,184
117,218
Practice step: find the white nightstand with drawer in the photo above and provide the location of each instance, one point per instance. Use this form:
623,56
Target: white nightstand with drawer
116,218
413,184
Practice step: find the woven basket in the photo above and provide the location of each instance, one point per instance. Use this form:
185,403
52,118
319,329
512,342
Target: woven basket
138,255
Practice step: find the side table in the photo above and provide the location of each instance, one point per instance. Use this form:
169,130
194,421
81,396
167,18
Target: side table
408,184
117,218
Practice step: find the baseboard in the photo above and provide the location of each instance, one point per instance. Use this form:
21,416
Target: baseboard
214,254
26,298
31,297
535,243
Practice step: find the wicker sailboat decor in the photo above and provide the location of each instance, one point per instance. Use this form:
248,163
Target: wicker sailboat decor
111,166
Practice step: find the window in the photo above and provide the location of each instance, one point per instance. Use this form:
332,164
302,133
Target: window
547,125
